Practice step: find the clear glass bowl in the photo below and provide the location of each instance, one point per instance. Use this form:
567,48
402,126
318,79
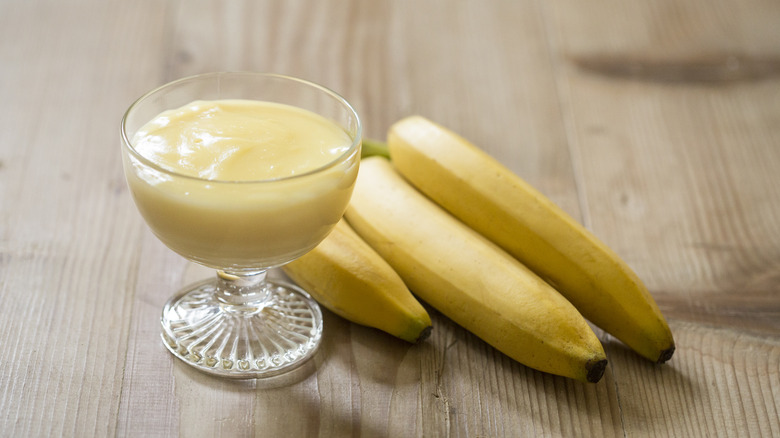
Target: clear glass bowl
240,324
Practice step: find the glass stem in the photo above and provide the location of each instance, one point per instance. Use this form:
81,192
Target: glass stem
242,293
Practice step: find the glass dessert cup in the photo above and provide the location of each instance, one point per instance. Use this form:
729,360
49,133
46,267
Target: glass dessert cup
241,324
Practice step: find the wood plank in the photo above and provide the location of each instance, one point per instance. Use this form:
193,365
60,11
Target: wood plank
65,314
146,406
725,383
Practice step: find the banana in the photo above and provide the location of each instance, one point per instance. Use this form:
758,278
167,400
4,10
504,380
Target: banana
469,279
349,278
507,210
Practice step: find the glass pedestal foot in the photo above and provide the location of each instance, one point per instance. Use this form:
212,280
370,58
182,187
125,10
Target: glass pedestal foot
259,337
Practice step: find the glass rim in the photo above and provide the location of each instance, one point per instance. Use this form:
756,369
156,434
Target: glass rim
356,141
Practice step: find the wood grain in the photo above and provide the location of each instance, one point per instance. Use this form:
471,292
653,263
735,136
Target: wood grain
656,124
69,237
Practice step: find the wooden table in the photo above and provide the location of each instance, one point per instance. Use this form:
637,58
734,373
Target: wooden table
657,124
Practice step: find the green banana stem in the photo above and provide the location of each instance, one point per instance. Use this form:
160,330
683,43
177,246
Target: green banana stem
374,147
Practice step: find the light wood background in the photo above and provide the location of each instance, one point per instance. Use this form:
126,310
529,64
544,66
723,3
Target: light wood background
657,124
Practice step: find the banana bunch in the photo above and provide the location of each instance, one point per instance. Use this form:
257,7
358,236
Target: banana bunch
483,247
508,211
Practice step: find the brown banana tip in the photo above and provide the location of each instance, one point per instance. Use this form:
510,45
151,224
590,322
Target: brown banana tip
424,334
666,355
595,370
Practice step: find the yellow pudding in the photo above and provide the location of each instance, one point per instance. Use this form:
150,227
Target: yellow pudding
241,184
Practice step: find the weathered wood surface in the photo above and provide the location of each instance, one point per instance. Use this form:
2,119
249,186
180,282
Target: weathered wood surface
657,124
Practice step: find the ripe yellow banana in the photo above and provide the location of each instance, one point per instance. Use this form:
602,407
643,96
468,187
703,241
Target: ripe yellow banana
345,275
470,279
500,205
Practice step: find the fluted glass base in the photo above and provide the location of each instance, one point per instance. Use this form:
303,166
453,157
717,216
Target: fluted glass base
242,327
